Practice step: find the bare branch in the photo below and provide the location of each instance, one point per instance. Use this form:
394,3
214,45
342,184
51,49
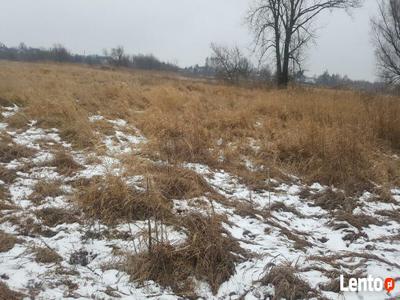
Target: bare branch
386,29
283,27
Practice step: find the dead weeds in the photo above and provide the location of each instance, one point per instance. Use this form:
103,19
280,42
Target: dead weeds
179,183
7,175
10,151
7,241
287,283
330,199
46,255
111,199
209,254
65,163
357,220
7,294
55,216
341,138
44,189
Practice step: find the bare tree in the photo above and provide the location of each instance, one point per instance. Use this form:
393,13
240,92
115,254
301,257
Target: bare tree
230,64
59,53
285,27
118,57
386,29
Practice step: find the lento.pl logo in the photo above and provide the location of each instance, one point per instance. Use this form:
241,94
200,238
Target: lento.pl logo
369,284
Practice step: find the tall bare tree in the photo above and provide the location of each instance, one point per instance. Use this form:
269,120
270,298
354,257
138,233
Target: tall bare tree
386,29
230,64
285,27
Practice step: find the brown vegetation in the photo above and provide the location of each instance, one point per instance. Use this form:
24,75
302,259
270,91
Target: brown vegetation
341,138
10,150
112,199
46,255
55,216
332,199
7,241
178,183
7,175
287,283
44,189
4,204
65,163
208,254
345,138
7,294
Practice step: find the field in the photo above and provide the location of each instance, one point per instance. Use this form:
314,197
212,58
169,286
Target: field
121,184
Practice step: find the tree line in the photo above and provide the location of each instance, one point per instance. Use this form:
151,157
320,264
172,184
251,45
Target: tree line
281,28
226,64
58,53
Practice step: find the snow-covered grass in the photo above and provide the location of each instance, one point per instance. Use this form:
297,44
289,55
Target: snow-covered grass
295,231
148,163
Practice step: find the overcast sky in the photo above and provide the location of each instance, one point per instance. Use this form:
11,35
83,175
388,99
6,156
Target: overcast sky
178,31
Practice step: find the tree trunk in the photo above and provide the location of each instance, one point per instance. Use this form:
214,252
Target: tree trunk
278,56
284,80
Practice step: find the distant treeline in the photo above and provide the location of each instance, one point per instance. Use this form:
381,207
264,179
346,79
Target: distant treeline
229,65
337,81
58,53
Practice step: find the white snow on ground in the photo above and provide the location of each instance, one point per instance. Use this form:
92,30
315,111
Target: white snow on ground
120,142
98,279
375,252
312,223
9,111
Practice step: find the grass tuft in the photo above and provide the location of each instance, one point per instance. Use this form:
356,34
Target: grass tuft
10,151
7,241
178,183
7,294
111,199
287,283
55,216
46,255
44,189
65,163
209,254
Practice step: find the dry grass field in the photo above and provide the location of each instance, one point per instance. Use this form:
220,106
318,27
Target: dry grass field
209,162
342,138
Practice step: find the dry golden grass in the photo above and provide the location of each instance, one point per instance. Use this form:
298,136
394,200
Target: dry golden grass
18,121
7,294
55,216
287,283
110,199
4,198
10,150
7,241
65,163
46,255
334,137
345,138
7,175
209,254
178,183
45,188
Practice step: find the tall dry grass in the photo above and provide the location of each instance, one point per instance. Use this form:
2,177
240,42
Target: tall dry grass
345,138
208,254
341,138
